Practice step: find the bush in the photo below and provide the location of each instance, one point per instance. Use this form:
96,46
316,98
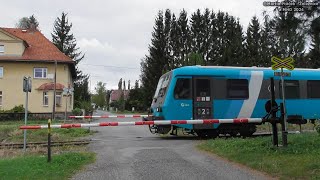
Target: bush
15,109
77,112
87,107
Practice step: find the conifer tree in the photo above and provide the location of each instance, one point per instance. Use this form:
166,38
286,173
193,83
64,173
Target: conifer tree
268,41
314,54
185,39
197,34
213,55
120,84
253,43
129,85
290,39
65,41
153,65
174,44
167,31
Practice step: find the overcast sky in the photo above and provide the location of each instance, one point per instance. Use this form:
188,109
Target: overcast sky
115,34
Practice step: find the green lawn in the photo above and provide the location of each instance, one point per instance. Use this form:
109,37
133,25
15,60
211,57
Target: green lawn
300,160
62,166
10,132
291,127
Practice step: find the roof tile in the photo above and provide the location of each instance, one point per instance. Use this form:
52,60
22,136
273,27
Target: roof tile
39,47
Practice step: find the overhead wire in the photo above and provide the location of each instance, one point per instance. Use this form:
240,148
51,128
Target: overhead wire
108,66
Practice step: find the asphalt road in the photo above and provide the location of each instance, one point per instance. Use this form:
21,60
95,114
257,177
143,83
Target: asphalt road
132,152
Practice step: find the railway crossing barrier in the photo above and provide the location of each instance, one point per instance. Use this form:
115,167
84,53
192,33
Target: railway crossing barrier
110,116
157,122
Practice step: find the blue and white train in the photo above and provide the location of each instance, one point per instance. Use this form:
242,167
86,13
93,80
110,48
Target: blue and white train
219,92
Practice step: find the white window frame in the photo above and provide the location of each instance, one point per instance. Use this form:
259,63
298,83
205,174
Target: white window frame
2,49
44,73
1,72
45,96
1,98
58,99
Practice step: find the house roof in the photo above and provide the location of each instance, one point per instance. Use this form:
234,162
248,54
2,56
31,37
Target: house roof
50,86
38,47
116,94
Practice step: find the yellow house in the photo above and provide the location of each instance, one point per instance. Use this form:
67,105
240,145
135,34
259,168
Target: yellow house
30,53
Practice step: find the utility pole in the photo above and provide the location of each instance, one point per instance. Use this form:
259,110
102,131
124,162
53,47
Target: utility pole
26,88
54,91
279,63
283,113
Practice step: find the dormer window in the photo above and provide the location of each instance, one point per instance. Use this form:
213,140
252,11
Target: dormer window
1,49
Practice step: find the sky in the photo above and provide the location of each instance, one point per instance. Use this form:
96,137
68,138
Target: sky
115,34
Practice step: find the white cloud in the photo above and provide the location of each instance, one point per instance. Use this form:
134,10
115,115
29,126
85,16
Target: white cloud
95,45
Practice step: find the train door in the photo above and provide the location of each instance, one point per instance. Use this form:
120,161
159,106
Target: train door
202,101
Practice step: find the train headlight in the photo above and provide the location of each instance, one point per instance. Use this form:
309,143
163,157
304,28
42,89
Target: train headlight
159,109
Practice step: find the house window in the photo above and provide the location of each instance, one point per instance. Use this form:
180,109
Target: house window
237,89
58,98
313,89
291,89
45,99
1,72
0,98
40,72
1,49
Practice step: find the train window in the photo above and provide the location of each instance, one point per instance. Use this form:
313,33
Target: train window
162,86
202,87
291,89
237,89
182,90
313,89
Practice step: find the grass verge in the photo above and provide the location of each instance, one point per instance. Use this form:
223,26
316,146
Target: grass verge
300,160
10,133
62,166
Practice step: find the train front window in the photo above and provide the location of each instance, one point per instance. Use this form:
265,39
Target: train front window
182,90
162,86
158,87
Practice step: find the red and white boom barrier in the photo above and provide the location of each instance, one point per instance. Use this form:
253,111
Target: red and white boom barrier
160,122
111,116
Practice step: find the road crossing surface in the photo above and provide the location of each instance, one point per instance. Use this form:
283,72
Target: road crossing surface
134,153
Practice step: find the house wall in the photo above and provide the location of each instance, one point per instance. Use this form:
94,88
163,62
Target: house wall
11,85
12,47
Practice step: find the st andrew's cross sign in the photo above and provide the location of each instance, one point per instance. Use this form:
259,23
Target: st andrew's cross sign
282,63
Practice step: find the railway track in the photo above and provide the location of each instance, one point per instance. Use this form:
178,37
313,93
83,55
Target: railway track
44,144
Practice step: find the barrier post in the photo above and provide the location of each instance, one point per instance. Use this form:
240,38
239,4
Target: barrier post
49,140
273,114
283,126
